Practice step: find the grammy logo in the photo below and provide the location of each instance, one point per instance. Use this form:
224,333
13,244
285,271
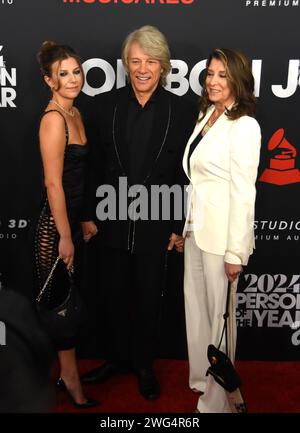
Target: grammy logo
282,169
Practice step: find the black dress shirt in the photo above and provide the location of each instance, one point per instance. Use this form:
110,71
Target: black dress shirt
138,134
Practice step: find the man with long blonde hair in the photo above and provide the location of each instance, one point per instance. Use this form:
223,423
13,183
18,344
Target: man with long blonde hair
142,131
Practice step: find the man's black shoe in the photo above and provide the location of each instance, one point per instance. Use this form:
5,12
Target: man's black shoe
102,373
148,384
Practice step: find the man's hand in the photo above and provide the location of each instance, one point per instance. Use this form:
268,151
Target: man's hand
89,229
177,241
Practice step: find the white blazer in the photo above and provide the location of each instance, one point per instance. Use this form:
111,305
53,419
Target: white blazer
223,171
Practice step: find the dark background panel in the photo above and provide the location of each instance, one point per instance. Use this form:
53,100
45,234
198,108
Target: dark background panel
267,33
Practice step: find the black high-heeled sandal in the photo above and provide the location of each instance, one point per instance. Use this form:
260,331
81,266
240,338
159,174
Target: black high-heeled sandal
60,384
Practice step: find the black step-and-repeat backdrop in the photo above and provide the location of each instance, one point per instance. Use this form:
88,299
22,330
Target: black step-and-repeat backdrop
268,299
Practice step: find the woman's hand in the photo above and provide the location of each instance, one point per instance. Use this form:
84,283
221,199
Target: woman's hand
89,229
232,271
66,251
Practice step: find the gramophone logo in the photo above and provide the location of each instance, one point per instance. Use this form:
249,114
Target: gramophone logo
282,169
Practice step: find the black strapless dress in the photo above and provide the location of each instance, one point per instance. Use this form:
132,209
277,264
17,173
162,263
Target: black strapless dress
47,237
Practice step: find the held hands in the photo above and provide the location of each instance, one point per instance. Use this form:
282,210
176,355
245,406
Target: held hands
232,271
177,241
89,229
66,252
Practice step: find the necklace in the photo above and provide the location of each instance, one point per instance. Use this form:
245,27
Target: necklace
70,113
210,123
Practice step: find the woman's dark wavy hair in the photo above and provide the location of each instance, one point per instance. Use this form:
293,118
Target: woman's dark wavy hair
240,80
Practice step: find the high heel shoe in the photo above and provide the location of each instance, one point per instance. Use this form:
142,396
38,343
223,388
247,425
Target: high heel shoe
60,384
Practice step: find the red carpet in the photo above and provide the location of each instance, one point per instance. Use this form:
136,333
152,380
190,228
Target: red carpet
268,387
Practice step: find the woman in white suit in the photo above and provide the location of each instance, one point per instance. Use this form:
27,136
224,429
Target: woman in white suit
221,160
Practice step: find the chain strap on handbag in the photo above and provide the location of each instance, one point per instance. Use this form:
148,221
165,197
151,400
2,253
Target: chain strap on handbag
70,272
39,296
225,317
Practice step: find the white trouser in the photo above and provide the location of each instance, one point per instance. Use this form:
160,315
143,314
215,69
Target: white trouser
205,291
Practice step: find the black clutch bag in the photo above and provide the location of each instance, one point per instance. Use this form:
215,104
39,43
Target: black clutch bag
63,321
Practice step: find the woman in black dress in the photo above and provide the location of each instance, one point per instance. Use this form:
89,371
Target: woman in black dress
64,155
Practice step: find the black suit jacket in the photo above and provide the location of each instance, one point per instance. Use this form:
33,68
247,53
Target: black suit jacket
173,123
